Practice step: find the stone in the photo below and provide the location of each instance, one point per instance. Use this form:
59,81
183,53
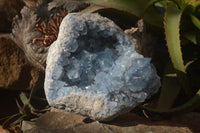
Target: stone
62,122
94,70
16,71
2,130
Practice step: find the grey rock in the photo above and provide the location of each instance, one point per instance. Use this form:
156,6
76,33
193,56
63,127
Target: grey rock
94,70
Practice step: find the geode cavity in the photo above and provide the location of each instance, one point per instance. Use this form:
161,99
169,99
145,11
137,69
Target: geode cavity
94,70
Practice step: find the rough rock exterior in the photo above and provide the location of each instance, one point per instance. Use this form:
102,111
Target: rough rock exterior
16,72
62,122
94,70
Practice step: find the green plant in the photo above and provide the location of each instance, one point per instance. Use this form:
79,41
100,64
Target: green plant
28,107
180,91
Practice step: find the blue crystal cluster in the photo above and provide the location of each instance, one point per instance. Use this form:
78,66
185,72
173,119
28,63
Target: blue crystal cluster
93,69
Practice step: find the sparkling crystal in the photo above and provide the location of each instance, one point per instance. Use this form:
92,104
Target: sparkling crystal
94,63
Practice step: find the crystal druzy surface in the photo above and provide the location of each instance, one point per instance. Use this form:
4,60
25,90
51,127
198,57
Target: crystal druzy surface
94,70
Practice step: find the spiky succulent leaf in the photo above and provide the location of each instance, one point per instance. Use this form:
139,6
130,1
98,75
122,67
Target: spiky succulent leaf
172,24
170,89
92,8
195,21
192,104
191,36
140,8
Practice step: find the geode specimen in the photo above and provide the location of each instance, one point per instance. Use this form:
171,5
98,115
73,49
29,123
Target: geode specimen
94,70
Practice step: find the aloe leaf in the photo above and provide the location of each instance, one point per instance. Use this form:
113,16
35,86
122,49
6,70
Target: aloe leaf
189,63
125,18
184,3
191,36
92,8
195,3
192,104
136,7
170,89
171,25
195,21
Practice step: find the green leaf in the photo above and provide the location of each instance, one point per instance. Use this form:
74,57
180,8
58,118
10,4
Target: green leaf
184,3
189,63
26,101
195,3
192,104
172,24
195,21
191,36
139,8
170,89
92,8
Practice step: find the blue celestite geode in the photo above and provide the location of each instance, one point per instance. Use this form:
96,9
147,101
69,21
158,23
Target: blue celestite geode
94,70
